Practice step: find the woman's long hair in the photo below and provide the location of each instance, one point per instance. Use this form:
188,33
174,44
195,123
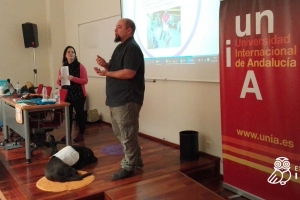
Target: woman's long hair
64,60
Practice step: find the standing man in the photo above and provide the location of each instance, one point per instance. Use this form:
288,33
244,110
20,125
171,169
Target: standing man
125,87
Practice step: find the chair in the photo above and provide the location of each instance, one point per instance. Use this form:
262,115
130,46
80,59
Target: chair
49,89
40,89
63,94
39,115
44,123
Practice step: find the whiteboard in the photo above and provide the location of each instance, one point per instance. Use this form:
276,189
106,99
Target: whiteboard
96,38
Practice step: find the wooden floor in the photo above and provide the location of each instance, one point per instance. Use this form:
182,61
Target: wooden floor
164,176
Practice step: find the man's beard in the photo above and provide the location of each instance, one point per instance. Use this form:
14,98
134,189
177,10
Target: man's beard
117,38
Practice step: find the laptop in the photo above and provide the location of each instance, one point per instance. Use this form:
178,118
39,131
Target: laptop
8,87
11,88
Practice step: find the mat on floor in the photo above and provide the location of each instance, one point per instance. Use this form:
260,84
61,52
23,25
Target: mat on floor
50,186
113,150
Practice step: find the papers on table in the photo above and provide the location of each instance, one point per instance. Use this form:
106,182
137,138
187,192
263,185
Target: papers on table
19,113
64,71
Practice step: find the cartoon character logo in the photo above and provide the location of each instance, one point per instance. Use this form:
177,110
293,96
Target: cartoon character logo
281,166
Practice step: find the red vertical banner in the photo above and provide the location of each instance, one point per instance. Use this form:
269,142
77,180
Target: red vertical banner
260,97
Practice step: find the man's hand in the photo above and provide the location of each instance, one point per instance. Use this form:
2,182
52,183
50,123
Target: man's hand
101,62
100,72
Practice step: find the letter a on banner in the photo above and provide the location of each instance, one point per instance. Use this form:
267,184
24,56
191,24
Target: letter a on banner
250,78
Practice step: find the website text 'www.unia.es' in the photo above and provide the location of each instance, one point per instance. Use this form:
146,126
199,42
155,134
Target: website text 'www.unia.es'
265,138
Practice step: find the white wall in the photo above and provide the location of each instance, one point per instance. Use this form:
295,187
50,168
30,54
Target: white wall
56,36
16,60
170,106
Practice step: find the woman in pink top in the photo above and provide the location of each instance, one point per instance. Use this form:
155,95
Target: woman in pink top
76,90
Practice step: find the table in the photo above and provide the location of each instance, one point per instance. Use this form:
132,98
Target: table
23,129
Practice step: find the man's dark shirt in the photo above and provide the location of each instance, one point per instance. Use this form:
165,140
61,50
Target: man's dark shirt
127,55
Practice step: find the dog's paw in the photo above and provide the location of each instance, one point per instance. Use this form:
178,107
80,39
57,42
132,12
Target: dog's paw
86,174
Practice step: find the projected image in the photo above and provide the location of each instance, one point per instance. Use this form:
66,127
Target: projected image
164,28
177,36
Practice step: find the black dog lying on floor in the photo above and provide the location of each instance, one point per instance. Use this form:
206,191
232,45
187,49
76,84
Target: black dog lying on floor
63,166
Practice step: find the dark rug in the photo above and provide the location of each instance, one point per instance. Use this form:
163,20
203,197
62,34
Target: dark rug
113,150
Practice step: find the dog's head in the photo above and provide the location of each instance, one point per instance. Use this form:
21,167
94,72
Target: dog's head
86,156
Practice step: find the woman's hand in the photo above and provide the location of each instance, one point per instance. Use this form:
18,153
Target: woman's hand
70,77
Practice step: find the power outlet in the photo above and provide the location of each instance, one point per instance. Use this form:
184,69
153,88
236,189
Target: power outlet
208,144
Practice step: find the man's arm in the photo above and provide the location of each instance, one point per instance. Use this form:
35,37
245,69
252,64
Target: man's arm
120,74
